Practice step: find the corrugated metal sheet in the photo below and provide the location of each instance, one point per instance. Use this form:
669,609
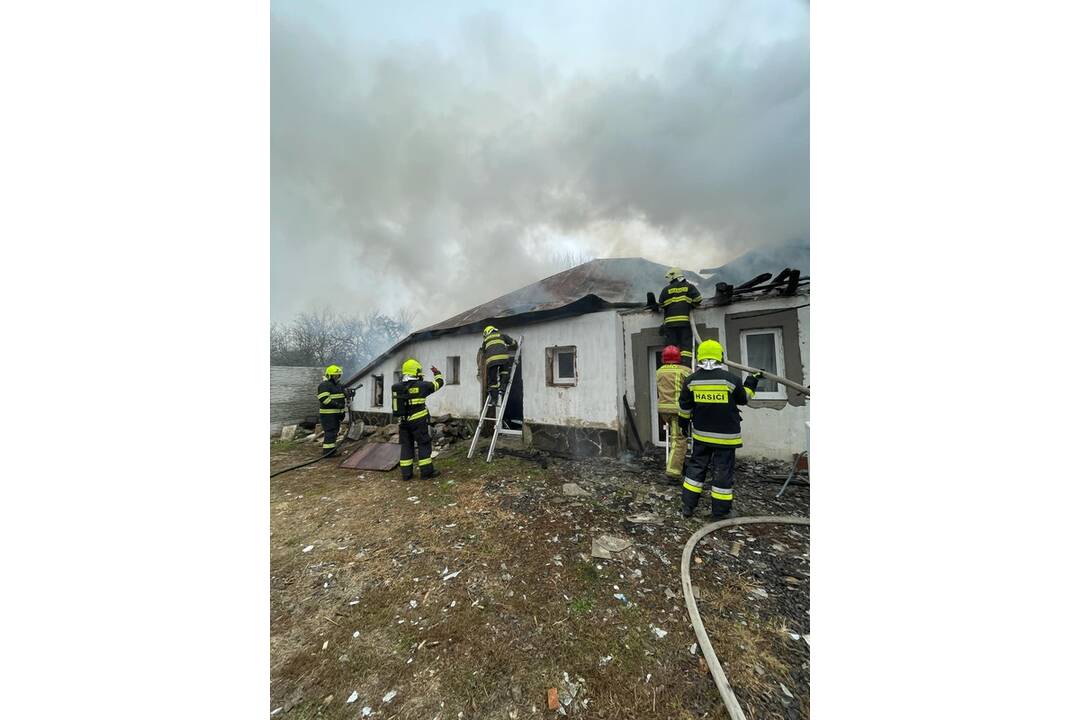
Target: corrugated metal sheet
292,394
374,456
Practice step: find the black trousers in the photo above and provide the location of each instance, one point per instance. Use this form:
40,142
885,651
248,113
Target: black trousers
682,337
412,432
498,375
331,423
710,465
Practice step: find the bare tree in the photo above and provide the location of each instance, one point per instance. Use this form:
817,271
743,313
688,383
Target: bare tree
322,338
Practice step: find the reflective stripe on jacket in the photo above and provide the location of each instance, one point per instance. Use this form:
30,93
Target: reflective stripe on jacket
498,348
669,384
331,397
710,399
677,299
409,397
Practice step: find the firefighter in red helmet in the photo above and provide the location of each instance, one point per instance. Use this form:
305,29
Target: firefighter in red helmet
670,379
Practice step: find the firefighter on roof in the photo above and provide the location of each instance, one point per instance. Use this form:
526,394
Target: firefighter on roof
498,352
670,379
409,403
332,407
677,299
710,401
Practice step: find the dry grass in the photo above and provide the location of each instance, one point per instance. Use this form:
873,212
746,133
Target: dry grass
490,641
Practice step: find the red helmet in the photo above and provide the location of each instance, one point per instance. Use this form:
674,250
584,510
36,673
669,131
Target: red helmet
670,354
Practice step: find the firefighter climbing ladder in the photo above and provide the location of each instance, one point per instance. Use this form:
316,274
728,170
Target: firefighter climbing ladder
500,408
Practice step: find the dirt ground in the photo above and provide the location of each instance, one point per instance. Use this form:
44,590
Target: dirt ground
471,595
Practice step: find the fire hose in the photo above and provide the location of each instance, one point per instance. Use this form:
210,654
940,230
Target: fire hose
722,684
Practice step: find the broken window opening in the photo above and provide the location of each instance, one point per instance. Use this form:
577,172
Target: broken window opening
377,391
453,370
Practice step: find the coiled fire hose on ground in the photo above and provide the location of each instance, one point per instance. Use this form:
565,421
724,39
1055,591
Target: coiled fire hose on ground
726,693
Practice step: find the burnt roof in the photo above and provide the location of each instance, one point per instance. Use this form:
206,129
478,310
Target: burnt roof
613,281
592,286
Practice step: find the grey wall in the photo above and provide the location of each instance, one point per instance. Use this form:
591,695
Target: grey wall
292,394
788,320
640,342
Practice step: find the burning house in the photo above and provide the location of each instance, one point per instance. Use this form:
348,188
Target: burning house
590,349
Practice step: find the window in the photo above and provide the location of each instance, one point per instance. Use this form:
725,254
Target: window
453,370
562,365
764,349
377,391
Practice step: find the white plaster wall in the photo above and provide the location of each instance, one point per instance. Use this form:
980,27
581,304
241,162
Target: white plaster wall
593,402
766,432
459,400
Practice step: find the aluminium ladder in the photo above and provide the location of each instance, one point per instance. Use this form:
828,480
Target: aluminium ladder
500,408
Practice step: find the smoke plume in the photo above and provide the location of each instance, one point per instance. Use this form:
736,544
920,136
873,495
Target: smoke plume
437,176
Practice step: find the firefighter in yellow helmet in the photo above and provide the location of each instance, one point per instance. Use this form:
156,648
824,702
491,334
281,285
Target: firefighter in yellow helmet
332,396
677,299
710,400
409,404
498,354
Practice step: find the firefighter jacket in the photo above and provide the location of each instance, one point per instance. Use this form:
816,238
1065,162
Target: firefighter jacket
677,299
409,397
710,399
331,397
498,349
670,379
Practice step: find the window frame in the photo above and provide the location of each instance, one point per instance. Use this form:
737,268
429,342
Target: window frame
777,334
553,377
453,369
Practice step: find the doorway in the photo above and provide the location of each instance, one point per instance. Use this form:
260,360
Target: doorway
654,365
514,415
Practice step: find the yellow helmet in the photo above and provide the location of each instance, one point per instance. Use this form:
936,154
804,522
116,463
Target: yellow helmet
332,371
490,329
710,350
411,367
673,273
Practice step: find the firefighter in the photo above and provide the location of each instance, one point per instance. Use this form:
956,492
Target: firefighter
670,379
498,356
710,401
677,299
332,407
410,405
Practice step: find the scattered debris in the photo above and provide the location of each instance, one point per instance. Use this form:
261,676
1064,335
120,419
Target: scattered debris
352,698
647,518
574,490
276,710
389,696
451,575
605,545
309,548
288,432
365,711
356,633
621,598
659,633
553,699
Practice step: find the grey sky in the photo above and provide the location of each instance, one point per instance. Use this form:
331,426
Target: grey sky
435,155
